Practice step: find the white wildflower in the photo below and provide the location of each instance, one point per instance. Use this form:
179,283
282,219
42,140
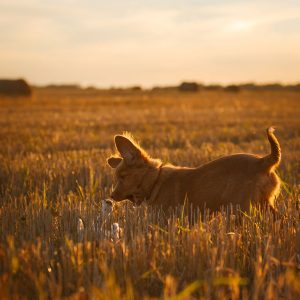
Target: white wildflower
116,232
80,229
107,207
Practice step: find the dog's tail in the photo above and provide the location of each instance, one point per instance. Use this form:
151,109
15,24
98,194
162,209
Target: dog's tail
271,161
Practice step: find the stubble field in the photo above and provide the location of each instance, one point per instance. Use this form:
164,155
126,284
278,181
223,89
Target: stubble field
53,173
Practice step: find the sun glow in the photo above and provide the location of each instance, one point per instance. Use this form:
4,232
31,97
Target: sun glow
241,25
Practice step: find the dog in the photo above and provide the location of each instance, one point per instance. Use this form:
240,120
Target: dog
238,179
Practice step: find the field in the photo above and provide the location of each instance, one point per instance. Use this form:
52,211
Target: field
53,171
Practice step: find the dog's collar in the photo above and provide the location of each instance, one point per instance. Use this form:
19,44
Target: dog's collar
154,183
148,194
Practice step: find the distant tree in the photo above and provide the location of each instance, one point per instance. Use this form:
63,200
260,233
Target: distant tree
232,88
188,87
164,88
64,86
18,87
249,86
295,87
272,86
135,88
213,87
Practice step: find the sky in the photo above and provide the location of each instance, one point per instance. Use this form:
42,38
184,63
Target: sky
150,42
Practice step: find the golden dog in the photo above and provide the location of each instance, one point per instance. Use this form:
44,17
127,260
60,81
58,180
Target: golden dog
238,179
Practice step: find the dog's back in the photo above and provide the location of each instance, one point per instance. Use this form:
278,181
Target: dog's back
238,179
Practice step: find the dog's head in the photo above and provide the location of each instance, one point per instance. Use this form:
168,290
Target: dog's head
131,169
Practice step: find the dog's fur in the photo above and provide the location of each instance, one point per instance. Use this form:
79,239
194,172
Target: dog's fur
238,179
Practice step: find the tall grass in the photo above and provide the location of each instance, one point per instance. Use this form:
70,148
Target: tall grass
53,173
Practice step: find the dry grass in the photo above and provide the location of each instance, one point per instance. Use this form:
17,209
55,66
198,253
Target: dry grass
52,171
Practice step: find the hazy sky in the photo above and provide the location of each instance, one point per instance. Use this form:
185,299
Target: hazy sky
150,42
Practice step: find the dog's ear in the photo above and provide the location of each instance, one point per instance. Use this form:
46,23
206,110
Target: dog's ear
127,149
114,161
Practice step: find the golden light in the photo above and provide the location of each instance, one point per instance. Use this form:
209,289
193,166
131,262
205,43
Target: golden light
240,25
